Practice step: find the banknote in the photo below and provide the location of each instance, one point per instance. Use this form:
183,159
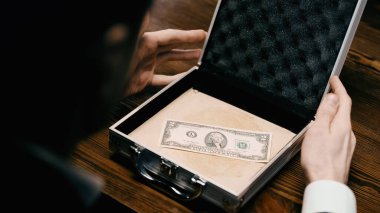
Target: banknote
214,140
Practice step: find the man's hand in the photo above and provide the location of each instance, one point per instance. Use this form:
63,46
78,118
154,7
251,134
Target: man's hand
329,144
157,47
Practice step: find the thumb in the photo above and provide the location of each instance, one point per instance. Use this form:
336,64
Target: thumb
327,110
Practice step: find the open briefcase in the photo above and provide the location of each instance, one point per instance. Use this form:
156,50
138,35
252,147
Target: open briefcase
265,67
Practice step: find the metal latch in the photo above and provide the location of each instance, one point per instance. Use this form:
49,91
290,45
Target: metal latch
136,149
198,180
168,168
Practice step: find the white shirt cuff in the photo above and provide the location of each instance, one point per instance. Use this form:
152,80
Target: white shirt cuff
328,196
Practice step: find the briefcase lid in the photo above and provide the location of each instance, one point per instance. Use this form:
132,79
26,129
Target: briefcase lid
285,50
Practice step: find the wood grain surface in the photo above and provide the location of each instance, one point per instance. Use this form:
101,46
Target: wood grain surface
360,75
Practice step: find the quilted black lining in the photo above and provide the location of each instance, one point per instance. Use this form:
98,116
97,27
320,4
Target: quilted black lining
286,47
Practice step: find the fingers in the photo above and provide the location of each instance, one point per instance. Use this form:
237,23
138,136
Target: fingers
170,36
327,110
163,80
177,55
177,46
343,117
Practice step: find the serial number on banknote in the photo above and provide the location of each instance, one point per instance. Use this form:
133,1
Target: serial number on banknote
214,140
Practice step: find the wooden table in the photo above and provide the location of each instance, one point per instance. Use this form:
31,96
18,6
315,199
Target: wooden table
361,76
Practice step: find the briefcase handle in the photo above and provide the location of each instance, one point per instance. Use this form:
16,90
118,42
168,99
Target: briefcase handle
163,184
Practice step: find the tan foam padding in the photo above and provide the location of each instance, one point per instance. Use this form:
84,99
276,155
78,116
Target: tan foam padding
232,175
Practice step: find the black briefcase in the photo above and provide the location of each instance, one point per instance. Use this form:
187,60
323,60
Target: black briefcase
265,68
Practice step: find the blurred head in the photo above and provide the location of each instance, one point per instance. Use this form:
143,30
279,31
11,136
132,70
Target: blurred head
67,65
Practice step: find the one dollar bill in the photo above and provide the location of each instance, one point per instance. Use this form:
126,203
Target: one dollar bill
213,140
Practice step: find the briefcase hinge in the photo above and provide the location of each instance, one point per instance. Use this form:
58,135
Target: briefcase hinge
168,168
